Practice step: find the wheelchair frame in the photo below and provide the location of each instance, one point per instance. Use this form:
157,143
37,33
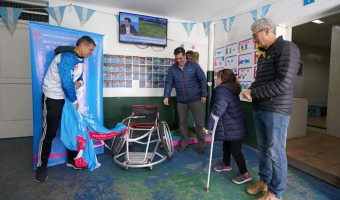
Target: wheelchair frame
158,134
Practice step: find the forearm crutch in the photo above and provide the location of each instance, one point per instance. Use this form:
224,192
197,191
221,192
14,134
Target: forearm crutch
211,150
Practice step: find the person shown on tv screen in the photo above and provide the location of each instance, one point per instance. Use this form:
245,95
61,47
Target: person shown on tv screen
127,28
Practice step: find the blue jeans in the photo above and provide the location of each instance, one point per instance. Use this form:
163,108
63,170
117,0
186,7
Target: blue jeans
271,131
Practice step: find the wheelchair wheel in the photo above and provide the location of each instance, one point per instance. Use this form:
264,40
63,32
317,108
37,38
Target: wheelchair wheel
166,140
117,144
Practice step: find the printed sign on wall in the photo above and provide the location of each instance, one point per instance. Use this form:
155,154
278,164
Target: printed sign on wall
241,57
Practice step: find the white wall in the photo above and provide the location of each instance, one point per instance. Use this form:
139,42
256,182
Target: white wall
108,26
15,73
15,82
333,110
15,68
315,73
287,13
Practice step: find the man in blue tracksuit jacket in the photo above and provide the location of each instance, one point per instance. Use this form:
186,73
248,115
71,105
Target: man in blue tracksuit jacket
63,77
190,84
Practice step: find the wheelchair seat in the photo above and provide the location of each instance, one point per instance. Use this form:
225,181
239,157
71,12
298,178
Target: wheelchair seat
144,116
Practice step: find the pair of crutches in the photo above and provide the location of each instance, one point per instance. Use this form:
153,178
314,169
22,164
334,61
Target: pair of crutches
211,149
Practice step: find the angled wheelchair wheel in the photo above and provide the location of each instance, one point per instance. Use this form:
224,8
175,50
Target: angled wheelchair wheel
117,144
166,139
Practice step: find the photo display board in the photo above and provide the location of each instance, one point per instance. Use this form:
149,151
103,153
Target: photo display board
120,71
239,56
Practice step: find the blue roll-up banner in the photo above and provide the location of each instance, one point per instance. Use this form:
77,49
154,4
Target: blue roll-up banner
44,39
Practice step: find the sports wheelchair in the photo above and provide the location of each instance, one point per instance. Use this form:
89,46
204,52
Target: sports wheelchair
148,141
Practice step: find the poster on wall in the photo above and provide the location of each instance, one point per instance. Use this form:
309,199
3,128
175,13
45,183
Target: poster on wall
246,46
122,71
245,74
241,57
219,63
220,52
231,49
246,60
231,61
44,39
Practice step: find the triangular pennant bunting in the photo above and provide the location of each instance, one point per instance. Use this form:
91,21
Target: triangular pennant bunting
10,17
231,22
117,17
307,2
188,27
227,26
206,26
56,13
265,10
84,14
254,14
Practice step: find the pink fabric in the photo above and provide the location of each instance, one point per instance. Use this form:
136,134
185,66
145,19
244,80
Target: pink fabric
106,136
191,140
81,143
80,162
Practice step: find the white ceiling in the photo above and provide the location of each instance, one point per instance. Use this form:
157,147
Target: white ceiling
210,10
190,10
318,35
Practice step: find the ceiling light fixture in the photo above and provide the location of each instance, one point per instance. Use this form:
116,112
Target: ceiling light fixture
317,21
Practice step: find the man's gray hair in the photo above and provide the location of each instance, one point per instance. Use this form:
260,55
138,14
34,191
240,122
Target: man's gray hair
263,23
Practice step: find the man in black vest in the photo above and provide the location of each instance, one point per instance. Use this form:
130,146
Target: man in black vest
272,94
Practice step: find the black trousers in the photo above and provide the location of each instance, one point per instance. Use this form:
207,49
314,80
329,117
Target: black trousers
234,148
197,113
52,110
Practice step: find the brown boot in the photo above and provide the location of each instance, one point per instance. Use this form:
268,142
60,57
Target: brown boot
269,196
258,187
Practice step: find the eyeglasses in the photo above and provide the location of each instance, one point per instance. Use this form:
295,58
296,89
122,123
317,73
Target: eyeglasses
255,34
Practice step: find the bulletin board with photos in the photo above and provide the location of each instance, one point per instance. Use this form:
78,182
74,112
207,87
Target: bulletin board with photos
120,71
239,56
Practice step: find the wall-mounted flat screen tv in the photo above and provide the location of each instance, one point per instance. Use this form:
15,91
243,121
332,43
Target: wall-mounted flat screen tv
141,29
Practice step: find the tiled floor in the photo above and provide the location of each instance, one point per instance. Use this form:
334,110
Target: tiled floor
316,153
317,122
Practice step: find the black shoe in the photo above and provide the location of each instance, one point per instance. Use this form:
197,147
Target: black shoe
41,174
72,164
200,150
182,148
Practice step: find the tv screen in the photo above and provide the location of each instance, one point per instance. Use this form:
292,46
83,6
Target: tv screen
141,29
